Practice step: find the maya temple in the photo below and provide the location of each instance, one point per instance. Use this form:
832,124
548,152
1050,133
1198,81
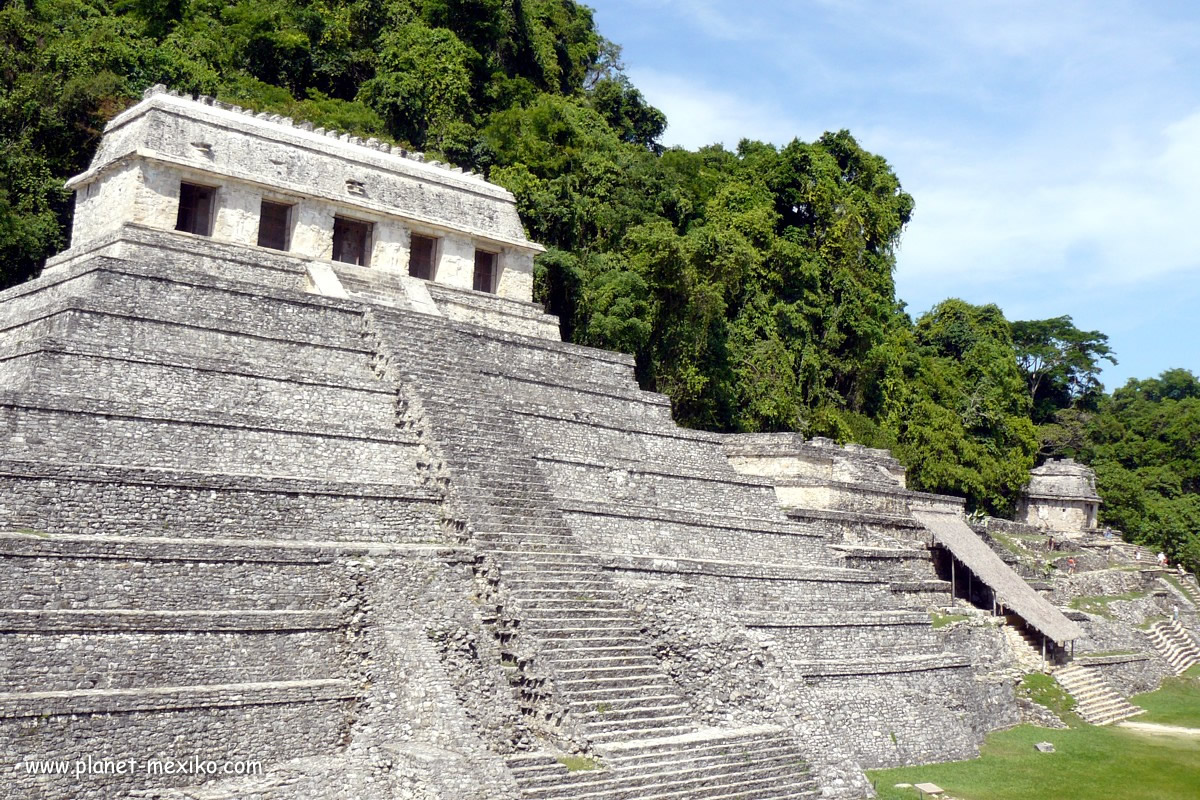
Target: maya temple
295,471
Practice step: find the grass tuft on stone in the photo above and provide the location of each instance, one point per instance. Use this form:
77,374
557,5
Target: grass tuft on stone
32,532
1045,691
578,763
1097,604
943,620
1174,581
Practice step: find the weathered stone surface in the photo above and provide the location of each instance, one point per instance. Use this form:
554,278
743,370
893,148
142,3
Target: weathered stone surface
1061,496
392,539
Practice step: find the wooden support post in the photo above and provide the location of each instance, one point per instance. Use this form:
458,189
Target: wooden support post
952,589
1043,650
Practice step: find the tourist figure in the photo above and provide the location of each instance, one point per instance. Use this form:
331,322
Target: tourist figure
1070,566
1175,613
1162,559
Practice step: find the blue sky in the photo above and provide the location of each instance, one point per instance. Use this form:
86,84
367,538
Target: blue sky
1053,147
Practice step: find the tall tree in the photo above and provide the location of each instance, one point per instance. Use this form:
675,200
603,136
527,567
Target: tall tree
1061,364
957,413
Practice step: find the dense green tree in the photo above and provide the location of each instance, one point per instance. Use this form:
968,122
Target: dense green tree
957,412
1145,446
422,84
628,113
1061,364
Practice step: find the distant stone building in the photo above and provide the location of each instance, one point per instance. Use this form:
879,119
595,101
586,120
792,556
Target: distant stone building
1061,497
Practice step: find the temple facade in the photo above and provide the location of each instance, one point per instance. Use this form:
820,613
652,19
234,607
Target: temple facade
209,169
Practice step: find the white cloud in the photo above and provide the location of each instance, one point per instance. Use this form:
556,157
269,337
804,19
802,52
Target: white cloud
1114,215
699,115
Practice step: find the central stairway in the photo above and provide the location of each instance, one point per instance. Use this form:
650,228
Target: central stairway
603,668
757,763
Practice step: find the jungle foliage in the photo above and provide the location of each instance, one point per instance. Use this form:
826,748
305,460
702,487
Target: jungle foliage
754,286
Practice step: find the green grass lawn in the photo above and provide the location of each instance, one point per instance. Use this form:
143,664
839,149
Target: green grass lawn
1090,763
1176,703
1098,603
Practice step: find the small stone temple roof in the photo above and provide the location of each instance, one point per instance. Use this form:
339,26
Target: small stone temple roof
1063,479
953,533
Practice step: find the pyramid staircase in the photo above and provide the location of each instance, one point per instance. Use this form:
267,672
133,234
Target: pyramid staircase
1026,647
756,763
1095,700
603,669
1175,644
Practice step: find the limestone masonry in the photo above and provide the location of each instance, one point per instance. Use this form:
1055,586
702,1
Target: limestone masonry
1061,497
295,473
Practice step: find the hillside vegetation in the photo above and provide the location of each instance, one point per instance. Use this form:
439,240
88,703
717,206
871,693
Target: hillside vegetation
755,286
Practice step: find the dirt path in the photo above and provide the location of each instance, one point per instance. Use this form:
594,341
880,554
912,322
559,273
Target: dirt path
1160,730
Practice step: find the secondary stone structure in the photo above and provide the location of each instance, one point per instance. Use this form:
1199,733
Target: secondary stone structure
1061,496
294,473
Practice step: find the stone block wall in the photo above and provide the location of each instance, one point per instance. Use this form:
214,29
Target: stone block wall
231,730
66,499
613,528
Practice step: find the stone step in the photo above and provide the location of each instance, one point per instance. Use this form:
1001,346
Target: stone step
609,689
595,729
1175,645
730,788
1096,701
530,588
682,761
597,638
612,617
520,567
533,533
601,657
757,775
698,742
584,673
605,593
600,712
590,601
614,690
626,703
504,550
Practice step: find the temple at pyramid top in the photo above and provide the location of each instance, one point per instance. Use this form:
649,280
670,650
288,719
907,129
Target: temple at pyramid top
203,168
